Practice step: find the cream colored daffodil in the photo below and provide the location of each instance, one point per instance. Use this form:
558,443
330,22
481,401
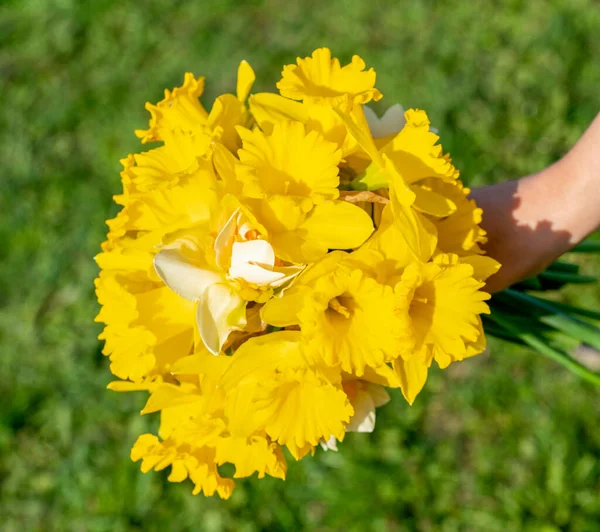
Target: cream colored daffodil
239,267
364,397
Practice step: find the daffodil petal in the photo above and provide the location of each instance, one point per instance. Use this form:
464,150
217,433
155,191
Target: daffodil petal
379,395
245,80
363,419
338,225
268,108
391,122
289,272
415,151
227,113
253,261
418,232
292,246
260,356
225,241
379,377
413,374
253,251
220,310
432,203
255,274
321,79
358,127
282,311
323,267
329,445
398,185
225,164
483,266
184,278
284,213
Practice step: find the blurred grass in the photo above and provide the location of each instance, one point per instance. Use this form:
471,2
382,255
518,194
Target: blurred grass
506,441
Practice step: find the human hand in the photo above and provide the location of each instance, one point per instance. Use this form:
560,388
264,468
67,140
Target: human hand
533,220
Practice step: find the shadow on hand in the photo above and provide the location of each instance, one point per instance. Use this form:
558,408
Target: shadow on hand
523,250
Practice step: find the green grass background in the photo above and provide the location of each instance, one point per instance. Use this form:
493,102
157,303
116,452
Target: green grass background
506,441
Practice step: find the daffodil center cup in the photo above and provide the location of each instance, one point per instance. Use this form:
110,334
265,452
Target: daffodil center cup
246,256
340,307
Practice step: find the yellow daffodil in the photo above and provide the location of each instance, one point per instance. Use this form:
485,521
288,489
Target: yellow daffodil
320,79
197,463
181,110
364,397
403,236
269,109
195,434
289,183
275,377
346,314
366,394
444,301
459,232
137,340
411,156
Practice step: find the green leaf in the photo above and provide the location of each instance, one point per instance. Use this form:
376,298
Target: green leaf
587,313
554,316
532,283
491,328
564,267
571,278
541,346
587,246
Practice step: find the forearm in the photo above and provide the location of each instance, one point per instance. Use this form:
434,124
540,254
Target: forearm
533,220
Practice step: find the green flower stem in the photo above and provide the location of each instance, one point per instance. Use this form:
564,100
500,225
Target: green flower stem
539,345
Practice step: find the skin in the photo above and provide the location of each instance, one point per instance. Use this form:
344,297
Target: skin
533,220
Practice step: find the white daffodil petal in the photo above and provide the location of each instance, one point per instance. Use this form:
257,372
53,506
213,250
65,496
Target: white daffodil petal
220,311
253,261
244,229
329,445
379,394
363,419
253,252
225,239
391,122
181,276
372,119
255,274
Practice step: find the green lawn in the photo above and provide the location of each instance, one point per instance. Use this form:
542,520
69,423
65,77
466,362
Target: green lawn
506,441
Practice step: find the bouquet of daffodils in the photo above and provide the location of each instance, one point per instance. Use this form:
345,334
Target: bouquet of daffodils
278,263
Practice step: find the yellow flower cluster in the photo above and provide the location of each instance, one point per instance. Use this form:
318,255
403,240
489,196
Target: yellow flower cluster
277,263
